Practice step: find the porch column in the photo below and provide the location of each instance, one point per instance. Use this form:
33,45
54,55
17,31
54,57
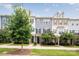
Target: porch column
29,41
58,41
34,39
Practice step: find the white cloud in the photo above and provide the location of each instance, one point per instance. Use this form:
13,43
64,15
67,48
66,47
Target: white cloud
55,5
35,14
77,9
47,10
72,3
8,6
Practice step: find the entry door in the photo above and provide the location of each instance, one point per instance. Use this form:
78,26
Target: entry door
38,40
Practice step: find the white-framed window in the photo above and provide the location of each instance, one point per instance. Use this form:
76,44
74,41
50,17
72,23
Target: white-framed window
72,24
38,31
77,24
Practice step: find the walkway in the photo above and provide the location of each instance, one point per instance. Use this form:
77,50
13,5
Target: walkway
39,47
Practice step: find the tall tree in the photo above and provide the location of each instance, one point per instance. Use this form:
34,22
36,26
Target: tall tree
19,25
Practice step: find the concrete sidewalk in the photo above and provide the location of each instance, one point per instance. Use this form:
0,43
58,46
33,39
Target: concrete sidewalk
40,47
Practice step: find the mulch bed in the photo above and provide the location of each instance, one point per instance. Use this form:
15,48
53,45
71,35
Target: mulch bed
20,52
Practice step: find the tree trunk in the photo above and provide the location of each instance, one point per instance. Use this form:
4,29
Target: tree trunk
22,45
30,41
55,41
58,41
72,42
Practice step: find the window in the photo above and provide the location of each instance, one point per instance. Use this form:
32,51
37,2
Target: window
55,22
38,31
48,30
61,32
44,31
77,24
73,31
60,23
72,24
65,23
46,22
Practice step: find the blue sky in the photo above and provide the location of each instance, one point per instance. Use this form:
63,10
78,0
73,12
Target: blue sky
45,9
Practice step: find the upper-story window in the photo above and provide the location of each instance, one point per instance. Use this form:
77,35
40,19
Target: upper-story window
55,22
48,30
44,31
77,24
46,22
65,23
72,24
60,23
38,19
73,31
38,31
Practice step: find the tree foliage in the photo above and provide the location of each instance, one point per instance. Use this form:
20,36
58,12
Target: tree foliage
48,37
19,25
4,36
67,37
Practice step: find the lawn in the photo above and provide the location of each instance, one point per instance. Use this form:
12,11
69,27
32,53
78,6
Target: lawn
18,44
44,52
12,51
4,43
6,50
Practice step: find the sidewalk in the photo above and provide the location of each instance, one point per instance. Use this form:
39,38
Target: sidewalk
40,47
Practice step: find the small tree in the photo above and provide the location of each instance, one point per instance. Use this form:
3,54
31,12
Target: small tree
76,40
46,37
67,37
4,36
19,25
53,37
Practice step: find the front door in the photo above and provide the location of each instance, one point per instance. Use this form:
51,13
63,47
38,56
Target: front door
38,39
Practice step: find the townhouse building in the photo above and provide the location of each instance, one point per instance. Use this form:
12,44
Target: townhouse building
56,24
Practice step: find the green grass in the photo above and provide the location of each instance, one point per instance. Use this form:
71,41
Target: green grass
44,52
18,44
4,43
2,50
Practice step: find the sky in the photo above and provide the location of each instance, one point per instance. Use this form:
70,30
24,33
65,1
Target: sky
71,10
